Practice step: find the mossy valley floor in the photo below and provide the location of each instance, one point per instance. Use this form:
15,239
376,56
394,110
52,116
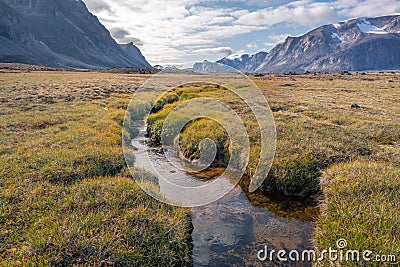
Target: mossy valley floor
66,195
68,199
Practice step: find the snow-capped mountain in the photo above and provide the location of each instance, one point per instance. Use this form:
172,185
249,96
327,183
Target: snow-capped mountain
166,67
244,63
211,67
60,33
354,45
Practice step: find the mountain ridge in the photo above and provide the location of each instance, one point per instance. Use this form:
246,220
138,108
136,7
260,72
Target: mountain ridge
245,63
347,46
360,44
74,38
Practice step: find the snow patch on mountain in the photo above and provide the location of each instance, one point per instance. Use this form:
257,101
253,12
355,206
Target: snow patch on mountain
358,44
366,27
336,36
235,57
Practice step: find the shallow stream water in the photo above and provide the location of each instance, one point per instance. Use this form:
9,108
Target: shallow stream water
231,231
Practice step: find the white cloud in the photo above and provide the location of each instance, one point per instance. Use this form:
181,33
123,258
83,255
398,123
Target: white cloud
169,29
365,8
97,5
304,13
252,46
275,39
225,51
179,30
279,38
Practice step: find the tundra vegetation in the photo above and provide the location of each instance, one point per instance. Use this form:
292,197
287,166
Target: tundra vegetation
67,197
337,140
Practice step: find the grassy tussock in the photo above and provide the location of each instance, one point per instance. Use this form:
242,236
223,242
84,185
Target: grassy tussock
98,221
200,130
66,195
357,152
361,205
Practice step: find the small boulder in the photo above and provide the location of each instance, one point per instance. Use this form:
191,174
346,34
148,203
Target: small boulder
355,106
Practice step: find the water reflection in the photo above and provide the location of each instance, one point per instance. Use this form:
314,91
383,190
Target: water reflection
232,230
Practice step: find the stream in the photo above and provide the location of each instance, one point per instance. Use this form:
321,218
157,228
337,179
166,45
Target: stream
231,231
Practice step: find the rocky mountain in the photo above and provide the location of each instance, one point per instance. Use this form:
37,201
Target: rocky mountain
135,54
361,44
60,33
166,67
211,67
355,45
17,44
244,63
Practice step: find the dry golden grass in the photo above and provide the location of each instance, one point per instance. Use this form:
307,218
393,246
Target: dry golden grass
66,195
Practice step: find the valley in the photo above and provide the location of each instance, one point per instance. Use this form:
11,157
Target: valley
69,199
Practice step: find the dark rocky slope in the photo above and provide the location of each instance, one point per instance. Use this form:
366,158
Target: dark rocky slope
59,33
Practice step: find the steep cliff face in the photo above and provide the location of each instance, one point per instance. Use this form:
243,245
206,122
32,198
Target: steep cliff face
68,29
12,26
354,45
135,54
17,44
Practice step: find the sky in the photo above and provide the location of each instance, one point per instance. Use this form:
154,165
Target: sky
181,32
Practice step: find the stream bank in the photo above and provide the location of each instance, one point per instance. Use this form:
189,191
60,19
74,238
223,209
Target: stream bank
233,229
